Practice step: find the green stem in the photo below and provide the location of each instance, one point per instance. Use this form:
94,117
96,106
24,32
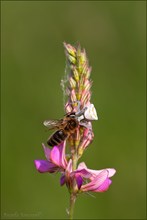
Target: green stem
74,161
72,204
74,189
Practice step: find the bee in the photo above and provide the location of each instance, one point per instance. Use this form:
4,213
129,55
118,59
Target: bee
68,125
65,127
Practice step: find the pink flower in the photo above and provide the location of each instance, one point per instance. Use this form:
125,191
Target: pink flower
96,180
76,87
56,160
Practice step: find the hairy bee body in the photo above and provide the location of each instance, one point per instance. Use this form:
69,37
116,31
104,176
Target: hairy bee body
58,137
68,126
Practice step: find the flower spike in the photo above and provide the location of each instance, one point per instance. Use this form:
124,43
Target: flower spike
76,133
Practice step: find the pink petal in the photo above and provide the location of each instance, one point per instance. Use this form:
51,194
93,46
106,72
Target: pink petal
104,187
82,168
111,172
94,173
44,166
57,155
69,166
96,182
82,165
88,173
47,152
63,155
83,172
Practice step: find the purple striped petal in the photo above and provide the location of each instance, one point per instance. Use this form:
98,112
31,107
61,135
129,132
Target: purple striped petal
94,173
96,182
105,186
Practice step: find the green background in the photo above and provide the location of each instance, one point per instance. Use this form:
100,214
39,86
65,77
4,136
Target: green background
33,63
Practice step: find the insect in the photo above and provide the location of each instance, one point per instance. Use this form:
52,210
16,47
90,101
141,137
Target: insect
68,125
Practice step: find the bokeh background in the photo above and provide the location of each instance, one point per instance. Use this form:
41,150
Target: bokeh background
33,64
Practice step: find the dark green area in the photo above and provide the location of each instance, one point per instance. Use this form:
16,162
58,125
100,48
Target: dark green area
33,63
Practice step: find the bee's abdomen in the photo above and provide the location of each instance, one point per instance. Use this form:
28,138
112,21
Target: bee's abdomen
57,138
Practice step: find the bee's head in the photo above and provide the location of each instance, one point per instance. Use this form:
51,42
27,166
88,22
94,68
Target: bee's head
71,115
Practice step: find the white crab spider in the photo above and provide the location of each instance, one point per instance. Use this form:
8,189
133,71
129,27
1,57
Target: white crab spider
88,113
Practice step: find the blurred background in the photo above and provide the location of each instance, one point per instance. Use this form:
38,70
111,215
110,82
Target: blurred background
33,64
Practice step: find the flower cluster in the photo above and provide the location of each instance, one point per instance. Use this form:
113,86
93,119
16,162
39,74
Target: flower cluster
77,177
56,161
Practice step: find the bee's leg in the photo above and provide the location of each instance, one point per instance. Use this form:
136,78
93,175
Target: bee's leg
79,111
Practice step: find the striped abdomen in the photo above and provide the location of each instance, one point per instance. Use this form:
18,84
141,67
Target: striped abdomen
57,138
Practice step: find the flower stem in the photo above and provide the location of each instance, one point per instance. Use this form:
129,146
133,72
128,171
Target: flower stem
74,189
72,204
74,161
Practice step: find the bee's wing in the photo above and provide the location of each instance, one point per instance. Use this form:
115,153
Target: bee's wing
51,124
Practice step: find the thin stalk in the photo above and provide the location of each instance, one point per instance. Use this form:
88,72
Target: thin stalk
73,193
74,161
72,204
